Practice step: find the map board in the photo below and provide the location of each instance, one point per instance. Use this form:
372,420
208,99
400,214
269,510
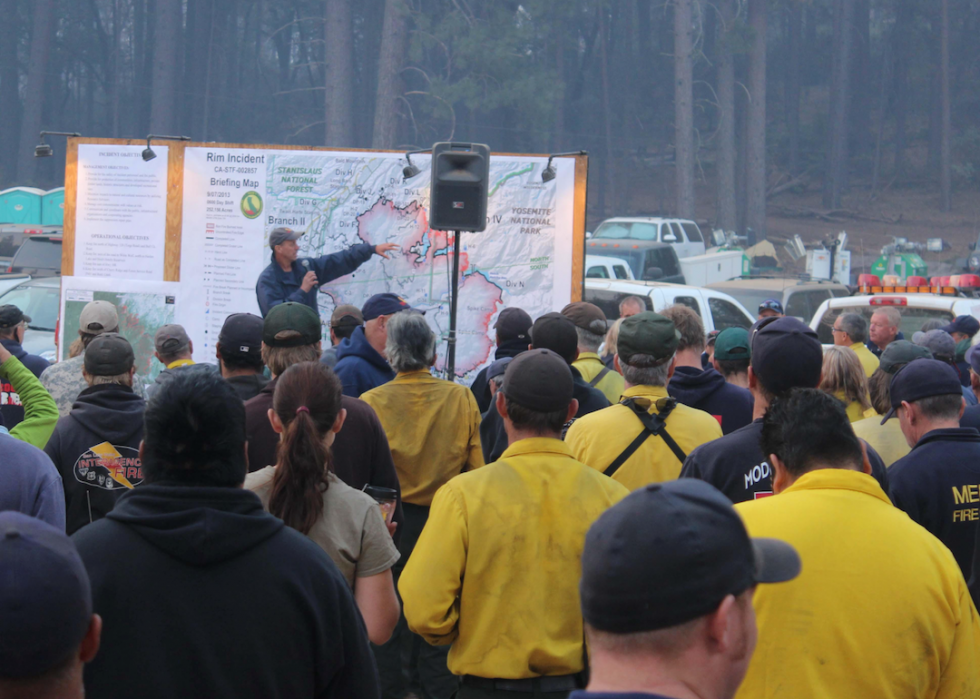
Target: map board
223,200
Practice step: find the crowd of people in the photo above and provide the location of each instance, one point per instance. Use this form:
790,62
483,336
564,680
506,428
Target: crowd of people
610,511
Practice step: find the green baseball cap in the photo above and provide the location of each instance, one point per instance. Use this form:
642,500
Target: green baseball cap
901,352
732,344
647,333
292,318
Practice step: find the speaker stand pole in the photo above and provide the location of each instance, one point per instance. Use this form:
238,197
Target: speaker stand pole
453,309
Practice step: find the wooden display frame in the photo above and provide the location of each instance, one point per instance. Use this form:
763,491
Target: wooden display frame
175,198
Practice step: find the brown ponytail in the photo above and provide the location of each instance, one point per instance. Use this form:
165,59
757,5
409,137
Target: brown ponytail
307,401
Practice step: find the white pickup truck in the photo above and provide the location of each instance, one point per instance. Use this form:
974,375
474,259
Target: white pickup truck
718,311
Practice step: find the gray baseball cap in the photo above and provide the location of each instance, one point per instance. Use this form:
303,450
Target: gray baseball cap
98,317
939,342
281,235
171,339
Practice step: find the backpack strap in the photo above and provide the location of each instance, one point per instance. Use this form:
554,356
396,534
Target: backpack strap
653,426
599,377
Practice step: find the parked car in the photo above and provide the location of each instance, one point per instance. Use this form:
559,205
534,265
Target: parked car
916,309
718,310
800,299
12,235
681,234
38,256
650,261
40,299
9,281
600,267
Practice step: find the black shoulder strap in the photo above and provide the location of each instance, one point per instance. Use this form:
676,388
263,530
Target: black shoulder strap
653,426
599,377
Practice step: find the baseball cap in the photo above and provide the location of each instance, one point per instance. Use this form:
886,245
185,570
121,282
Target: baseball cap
109,354
98,317
972,357
498,367
539,380
45,597
939,342
295,317
712,337
732,343
771,305
278,236
647,333
968,325
922,378
346,316
171,339
901,352
241,334
513,324
382,305
555,332
670,553
785,354
586,316
11,316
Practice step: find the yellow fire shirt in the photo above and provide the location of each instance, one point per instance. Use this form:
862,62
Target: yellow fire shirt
497,568
433,429
598,438
589,365
880,609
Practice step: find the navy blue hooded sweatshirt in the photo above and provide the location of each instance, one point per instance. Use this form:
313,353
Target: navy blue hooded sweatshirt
96,450
359,366
204,594
707,390
11,410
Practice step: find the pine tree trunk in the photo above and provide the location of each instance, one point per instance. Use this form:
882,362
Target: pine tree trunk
903,30
793,37
833,187
166,44
684,107
755,205
10,109
394,45
339,71
945,174
726,215
861,91
44,21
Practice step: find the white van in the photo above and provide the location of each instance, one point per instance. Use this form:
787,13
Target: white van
681,234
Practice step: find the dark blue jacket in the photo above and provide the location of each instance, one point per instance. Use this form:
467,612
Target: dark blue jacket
708,391
936,484
876,351
275,286
11,410
480,385
359,366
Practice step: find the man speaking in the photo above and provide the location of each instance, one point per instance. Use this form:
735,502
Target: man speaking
290,279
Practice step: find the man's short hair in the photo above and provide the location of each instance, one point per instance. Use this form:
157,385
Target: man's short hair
278,359
194,431
854,326
589,341
688,324
731,367
892,314
945,407
118,380
632,301
645,370
239,360
342,332
533,421
807,428
411,344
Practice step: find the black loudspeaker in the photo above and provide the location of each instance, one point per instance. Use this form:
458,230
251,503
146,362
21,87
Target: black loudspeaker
460,183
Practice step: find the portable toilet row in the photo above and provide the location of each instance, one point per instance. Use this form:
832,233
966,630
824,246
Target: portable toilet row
30,205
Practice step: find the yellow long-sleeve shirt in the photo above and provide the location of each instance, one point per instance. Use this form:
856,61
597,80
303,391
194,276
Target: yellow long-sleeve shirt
886,439
880,608
433,429
497,568
598,438
589,365
869,362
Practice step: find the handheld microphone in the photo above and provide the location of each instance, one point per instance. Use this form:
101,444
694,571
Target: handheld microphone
306,268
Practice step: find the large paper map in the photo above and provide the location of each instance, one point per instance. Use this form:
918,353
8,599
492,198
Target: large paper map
341,199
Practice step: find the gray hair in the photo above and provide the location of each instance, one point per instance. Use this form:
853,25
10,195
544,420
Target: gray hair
643,370
632,301
891,313
589,341
411,344
497,381
854,326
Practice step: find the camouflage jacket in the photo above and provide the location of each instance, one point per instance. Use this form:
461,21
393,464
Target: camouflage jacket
64,382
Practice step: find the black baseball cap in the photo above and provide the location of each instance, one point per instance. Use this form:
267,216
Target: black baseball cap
670,553
899,353
241,334
513,324
291,317
498,367
647,333
968,325
278,236
539,380
109,354
383,305
555,332
11,316
785,354
771,305
922,378
45,597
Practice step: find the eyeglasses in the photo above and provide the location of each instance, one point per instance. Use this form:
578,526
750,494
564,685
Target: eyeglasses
838,330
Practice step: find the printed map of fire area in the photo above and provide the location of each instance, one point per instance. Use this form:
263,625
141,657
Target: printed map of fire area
340,199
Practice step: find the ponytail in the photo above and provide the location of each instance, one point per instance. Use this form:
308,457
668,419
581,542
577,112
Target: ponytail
307,402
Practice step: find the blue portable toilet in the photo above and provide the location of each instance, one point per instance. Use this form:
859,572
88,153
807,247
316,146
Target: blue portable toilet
21,205
53,207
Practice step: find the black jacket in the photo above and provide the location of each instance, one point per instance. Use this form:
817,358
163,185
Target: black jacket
736,466
493,437
247,386
707,390
480,387
96,450
936,484
204,594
